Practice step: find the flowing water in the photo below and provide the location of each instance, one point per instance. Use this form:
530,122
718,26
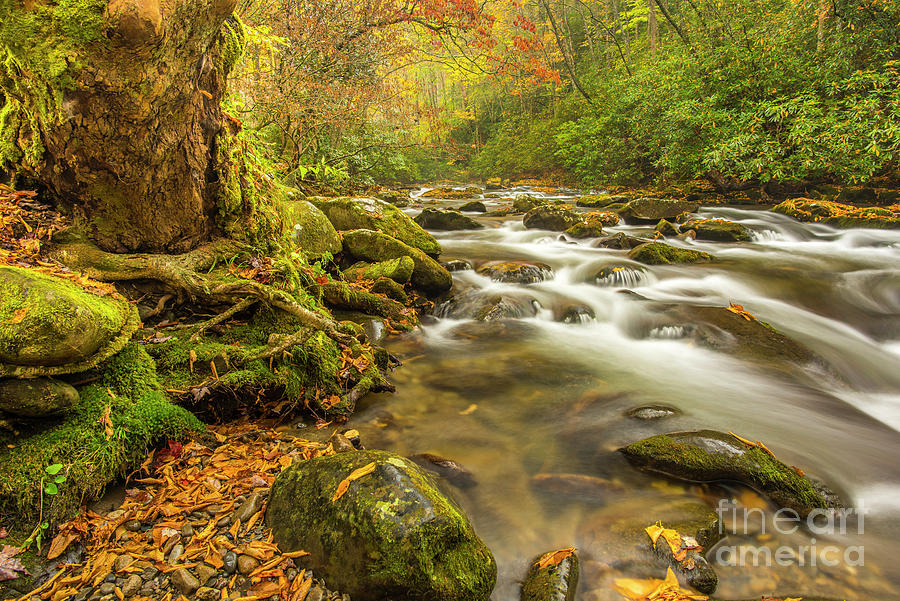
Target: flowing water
546,392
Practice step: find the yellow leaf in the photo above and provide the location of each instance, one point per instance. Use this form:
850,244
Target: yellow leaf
19,315
468,410
743,440
739,310
355,475
654,531
553,558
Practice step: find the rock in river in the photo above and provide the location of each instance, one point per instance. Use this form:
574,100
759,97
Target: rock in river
391,535
439,219
659,253
718,230
651,210
427,274
709,456
549,217
516,272
555,581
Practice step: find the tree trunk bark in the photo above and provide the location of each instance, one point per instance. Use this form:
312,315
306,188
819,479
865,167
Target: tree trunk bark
653,26
116,109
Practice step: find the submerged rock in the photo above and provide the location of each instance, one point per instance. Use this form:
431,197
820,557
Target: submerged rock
373,214
709,456
457,265
439,219
620,241
620,275
427,274
651,412
49,325
580,486
556,581
516,272
36,397
549,217
651,210
659,253
448,469
391,535
718,230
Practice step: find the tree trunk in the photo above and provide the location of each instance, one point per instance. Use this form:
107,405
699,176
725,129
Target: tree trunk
654,28
116,109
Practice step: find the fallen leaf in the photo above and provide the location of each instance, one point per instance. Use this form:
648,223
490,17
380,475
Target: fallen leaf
10,567
469,410
554,558
743,440
739,310
653,589
355,475
19,315
107,423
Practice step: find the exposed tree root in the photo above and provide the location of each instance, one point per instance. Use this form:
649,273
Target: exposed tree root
224,316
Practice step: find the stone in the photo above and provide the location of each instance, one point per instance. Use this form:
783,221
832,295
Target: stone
667,228
132,585
391,535
524,203
651,210
133,525
583,230
52,326
122,562
373,214
579,486
249,507
230,562
659,253
652,412
620,241
308,228
840,215
448,469
185,581
474,206
551,218
457,265
107,588
176,552
207,593
448,193
37,397
555,582
710,456
246,564
516,272
400,270
369,245
601,218
390,289
205,573
439,219
601,200
718,230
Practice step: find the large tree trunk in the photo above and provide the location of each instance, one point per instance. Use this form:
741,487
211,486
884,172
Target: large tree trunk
116,109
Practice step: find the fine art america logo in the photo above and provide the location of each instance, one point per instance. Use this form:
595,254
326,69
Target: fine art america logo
826,523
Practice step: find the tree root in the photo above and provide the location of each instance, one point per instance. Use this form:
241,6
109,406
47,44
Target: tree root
243,304
342,296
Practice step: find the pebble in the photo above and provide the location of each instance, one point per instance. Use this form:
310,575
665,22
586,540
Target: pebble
205,572
207,593
246,564
184,581
187,531
177,551
315,594
230,560
133,525
248,508
150,573
107,588
132,585
109,578
170,543
122,562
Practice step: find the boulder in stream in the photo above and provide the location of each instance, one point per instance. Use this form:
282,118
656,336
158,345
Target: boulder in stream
440,219
651,210
710,456
659,253
516,272
840,215
718,230
620,241
600,200
400,270
550,217
652,412
524,203
36,397
552,577
473,206
391,535
369,245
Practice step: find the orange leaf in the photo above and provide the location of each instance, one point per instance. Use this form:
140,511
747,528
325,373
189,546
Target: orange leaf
739,310
553,558
60,543
743,440
355,475
19,315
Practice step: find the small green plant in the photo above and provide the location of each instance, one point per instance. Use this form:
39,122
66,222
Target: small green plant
49,486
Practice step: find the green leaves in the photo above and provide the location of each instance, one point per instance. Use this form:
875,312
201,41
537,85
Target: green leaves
55,478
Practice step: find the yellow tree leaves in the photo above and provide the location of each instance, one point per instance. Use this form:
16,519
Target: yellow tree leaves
739,310
678,544
354,475
554,558
653,589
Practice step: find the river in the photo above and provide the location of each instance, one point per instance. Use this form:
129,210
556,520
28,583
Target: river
546,392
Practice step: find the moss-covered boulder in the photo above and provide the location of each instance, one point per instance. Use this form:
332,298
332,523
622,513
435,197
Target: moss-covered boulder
659,253
555,581
583,230
440,219
719,230
524,203
450,193
667,228
373,214
36,397
601,218
399,269
601,200
50,325
550,217
398,198
369,245
840,215
621,241
309,228
710,456
474,206
391,535
651,210
516,272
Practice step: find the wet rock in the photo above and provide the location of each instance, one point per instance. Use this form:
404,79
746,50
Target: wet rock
556,582
601,218
602,200
651,210
839,215
439,219
651,412
549,217
658,253
583,230
36,397
185,582
475,206
246,564
577,314
390,289
374,214
133,525
620,275
175,554
399,270
230,562
448,193
207,593
53,326
516,272
392,534
524,203
122,562
107,588
718,230
249,507
709,456
446,468
667,228
341,444
398,198
132,585
579,486
620,241
205,573
457,265
309,228
369,245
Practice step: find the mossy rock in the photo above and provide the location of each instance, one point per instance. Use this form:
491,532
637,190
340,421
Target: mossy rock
601,200
439,219
555,582
524,203
373,214
659,253
474,304
601,218
718,230
399,269
398,198
516,272
369,245
309,228
449,193
474,206
651,210
583,230
840,215
128,394
553,218
52,326
621,241
390,289
667,228
711,456
36,397
392,535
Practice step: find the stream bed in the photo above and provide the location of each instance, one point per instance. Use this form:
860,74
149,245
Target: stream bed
546,391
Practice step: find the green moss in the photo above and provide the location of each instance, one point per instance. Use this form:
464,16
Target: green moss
232,41
658,253
840,215
128,391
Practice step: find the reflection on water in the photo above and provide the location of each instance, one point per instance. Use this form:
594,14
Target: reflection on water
547,392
